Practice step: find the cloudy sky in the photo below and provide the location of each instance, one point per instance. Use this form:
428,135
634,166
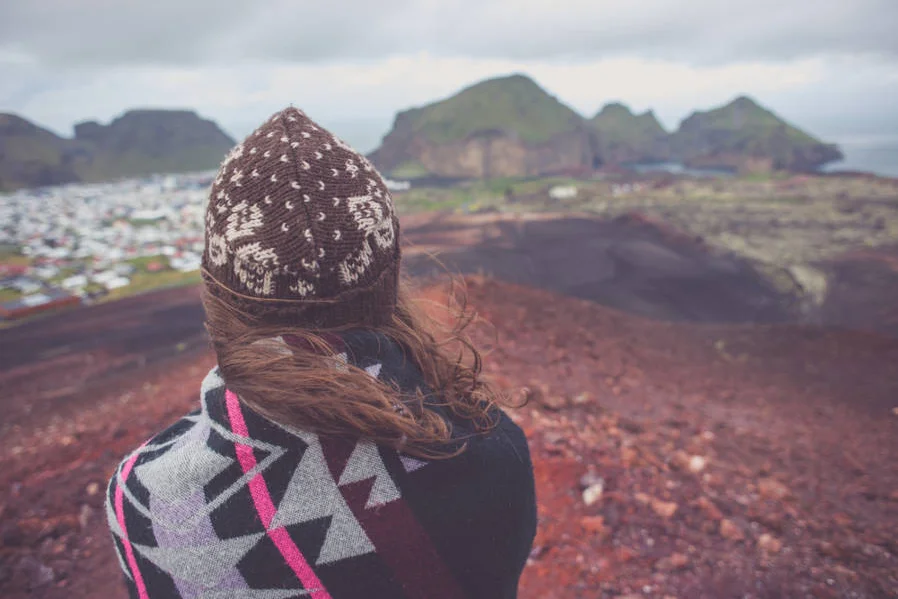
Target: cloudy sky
830,66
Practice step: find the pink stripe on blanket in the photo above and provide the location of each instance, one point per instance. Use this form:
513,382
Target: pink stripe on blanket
265,506
120,516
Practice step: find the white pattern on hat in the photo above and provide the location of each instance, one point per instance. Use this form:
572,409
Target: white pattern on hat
259,221
243,221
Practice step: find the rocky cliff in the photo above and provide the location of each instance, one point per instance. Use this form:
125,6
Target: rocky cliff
744,136
624,137
140,142
504,127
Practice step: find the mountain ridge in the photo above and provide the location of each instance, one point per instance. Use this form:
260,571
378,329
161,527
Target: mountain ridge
744,135
504,126
510,126
137,143
625,137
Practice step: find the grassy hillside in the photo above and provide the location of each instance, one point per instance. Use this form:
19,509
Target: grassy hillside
624,136
30,155
141,142
744,117
745,128
512,104
617,123
136,163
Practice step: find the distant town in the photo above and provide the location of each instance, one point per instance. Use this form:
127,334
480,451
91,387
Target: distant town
84,243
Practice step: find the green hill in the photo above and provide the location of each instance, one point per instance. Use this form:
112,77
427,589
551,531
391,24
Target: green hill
30,155
507,126
140,142
510,104
511,127
743,130
626,137
143,142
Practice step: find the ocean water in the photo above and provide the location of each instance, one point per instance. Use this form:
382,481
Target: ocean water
878,155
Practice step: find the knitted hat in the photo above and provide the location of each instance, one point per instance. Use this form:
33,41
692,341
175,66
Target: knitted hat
300,229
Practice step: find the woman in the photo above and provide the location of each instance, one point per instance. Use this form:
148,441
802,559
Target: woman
339,449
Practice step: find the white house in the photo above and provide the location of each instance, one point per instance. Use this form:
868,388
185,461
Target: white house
117,283
563,192
26,285
123,268
186,263
35,299
74,282
398,185
105,276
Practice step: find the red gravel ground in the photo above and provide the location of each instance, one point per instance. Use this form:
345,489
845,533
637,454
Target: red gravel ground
719,461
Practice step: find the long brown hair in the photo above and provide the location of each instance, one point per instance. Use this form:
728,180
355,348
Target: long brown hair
308,388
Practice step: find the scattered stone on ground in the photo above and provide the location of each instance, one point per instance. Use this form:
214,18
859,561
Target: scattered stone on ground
797,495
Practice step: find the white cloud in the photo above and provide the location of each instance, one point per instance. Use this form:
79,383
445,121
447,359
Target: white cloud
354,63
672,89
203,32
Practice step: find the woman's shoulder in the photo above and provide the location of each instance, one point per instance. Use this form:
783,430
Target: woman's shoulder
485,448
507,437
166,455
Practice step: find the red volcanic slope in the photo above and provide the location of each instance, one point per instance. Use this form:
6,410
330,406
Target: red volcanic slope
790,434
733,461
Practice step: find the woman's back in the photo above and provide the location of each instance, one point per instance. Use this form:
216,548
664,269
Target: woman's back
226,503
340,450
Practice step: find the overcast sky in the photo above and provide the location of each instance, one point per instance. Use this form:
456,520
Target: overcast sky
830,66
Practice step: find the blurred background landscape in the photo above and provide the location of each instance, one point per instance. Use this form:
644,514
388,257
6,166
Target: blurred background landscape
679,220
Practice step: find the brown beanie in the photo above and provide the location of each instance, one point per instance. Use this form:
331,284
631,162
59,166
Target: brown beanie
300,229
